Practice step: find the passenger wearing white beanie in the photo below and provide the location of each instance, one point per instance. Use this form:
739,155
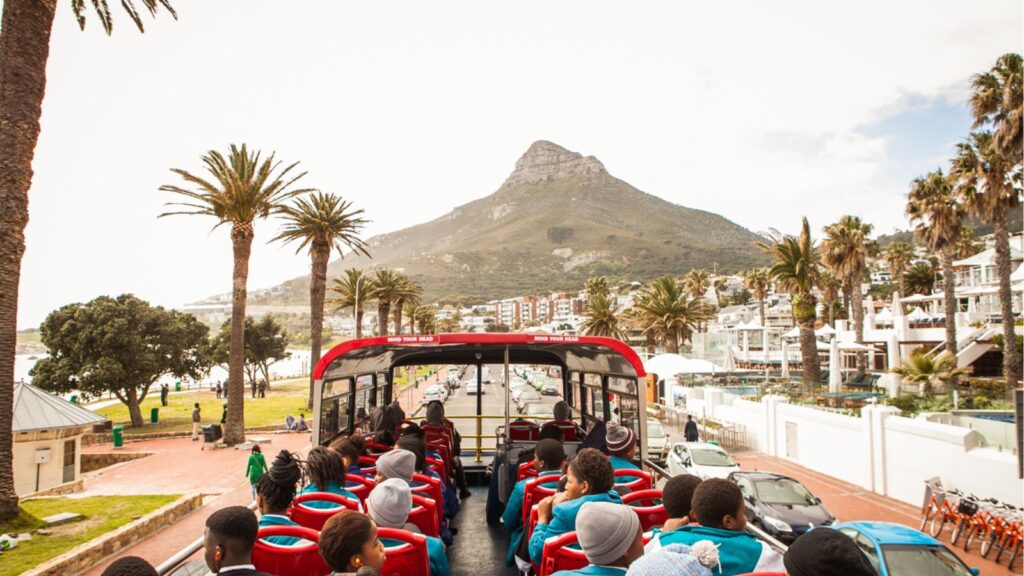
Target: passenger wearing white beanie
397,463
611,538
389,504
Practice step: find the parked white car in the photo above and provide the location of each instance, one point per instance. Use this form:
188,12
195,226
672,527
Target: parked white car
473,389
434,393
701,459
657,441
517,389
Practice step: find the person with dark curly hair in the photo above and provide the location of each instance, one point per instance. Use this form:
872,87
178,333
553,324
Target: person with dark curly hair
130,566
677,497
719,507
349,542
275,491
549,455
589,479
349,453
325,470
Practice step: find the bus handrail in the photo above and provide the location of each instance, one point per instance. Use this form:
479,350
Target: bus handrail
761,534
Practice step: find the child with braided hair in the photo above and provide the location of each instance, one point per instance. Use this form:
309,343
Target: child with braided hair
275,491
325,470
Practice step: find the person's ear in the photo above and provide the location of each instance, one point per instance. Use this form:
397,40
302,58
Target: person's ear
585,486
218,556
357,561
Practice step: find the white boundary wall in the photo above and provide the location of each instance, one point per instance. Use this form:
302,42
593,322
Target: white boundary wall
880,450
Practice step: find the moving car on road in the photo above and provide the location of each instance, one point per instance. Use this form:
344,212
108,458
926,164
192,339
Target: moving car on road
473,388
701,459
527,396
896,550
657,441
780,505
435,392
549,389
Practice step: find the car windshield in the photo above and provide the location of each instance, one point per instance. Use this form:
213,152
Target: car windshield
703,457
931,560
783,491
654,430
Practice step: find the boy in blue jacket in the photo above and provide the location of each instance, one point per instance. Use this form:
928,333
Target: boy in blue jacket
589,479
548,457
720,510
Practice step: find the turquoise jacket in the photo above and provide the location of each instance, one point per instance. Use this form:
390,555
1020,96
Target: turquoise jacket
333,488
738,552
563,519
620,463
278,520
593,570
513,515
435,553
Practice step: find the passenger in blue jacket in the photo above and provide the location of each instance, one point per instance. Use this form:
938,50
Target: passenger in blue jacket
611,538
325,469
589,479
548,457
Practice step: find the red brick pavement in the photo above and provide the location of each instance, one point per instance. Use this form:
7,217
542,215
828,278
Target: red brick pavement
849,502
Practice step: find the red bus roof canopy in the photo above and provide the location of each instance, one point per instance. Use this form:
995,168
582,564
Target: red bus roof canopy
574,353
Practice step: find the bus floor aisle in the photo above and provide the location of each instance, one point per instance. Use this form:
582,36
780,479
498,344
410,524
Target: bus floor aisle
479,549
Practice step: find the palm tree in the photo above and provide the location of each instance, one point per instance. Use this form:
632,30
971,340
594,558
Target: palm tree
829,285
845,251
920,279
410,294
758,281
795,268
966,245
898,255
24,50
989,185
697,282
352,288
938,219
242,189
425,318
595,286
927,371
388,286
665,311
602,317
321,222
997,101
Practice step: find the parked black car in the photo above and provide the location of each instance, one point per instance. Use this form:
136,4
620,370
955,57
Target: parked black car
780,505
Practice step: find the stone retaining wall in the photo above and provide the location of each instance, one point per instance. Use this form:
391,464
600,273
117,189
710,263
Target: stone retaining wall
95,461
87,555
58,490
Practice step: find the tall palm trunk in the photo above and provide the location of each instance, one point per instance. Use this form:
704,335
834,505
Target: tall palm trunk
949,298
760,303
651,343
900,274
672,343
359,321
24,49
847,297
234,428
858,322
399,310
320,253
1011,358
805,312
383,313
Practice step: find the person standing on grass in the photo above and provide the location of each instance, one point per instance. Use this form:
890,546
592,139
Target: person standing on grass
219,389
195,423
164,390
255,468
263,388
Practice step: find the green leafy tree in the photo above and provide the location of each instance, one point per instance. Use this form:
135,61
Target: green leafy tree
119,345
989,185
266,342
929,371
845,251
321,222
898,256
240,189
796,265
665,311
602,317
24,50
920,279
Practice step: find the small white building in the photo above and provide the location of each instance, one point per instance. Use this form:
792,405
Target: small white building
47,439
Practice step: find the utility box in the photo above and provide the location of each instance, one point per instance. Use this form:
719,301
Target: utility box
42,455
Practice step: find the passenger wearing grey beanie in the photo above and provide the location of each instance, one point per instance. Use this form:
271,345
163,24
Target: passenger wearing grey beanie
397,463
389,504
610,535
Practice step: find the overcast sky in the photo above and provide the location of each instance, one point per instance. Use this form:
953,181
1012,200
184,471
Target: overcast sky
759,111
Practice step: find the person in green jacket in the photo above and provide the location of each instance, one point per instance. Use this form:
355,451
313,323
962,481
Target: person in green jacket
255,468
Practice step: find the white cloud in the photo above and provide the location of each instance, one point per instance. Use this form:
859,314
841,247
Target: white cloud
751,109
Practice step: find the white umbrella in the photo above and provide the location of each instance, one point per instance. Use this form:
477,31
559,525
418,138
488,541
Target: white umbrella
917,315
885,316
794,333
785,361
741,326
666,365
897,305
825,330
835,372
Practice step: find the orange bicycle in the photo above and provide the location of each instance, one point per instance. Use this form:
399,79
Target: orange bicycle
977,529
939,509
966,510
1010,538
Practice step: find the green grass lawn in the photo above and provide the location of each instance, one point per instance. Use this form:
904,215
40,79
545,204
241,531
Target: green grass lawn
102,514
285,397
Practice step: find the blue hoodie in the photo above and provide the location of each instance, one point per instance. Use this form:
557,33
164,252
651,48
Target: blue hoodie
513,515
563,519
333,488
738,552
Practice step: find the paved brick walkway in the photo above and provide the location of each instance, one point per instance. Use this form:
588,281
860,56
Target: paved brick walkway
849,502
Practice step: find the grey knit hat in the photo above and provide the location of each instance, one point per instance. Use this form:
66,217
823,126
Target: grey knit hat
435,412
620,440
397,464
390,503
606,531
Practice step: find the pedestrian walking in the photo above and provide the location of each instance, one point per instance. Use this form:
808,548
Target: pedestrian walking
255,468
690,430
224,416
263,388
253,386
195,423
219,390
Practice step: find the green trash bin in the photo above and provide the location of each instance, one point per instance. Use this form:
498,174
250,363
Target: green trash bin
154,415
177,386
118,432
74,399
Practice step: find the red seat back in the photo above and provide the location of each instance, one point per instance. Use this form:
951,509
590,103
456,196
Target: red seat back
568,429
377,447
408,558
526,470
523,430
535,490
431,488
558,556
647,505
279,560
642,480
424,515
315,518
359,485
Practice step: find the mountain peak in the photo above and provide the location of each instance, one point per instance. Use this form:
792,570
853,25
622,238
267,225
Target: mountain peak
545,161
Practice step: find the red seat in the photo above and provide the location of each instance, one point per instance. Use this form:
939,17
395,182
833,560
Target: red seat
523,430
437,431
278,560
647,505
436,465
642,481
406,559
424,516
431,488
558,556
535,490
315,518
568,429
526,470
377,447
359,485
